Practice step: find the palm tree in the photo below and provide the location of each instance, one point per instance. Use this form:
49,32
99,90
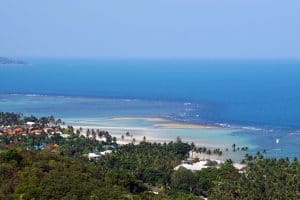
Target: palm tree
199,150
209,152
100,134
58,122
220,153
233,147
295,159
88,132
193,147
77,133
93,134
108,139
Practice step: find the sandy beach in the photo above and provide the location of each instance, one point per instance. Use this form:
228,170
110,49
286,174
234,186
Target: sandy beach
151,119
162,130
155,135
183,126
136,133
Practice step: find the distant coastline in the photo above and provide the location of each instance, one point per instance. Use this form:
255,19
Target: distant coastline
9,61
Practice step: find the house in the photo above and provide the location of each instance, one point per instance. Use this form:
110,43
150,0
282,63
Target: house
52,131
193,166
37,131
9,146
106,152
196,166
18,130
39,146
12,131
93,156
8,131
51,147
187,161
30,124
64,135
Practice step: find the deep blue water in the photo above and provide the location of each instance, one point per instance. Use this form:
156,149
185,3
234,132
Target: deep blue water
262,95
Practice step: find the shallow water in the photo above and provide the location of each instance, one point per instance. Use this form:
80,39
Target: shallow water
257,100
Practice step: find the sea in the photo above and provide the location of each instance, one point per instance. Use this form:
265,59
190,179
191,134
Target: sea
253,101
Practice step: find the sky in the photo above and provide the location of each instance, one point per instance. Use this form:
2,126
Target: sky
202,29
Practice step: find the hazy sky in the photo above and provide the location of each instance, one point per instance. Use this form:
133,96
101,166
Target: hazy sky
151,29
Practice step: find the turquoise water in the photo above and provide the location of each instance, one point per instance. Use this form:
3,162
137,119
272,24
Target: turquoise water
258,98
209,137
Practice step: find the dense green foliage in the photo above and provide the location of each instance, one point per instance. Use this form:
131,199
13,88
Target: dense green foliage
72,145
132,173
126,174
9,119
150,163
40,175
30,170
262,179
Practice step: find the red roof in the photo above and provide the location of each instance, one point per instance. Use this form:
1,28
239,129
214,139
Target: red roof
36,131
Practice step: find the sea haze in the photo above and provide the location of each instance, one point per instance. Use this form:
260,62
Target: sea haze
261,98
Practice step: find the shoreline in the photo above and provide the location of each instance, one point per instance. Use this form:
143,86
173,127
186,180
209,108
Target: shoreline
184,126
159,130
156,132
165,122
155,138
216,124
147,118
119,131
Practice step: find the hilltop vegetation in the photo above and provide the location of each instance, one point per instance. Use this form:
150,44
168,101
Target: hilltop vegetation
131,173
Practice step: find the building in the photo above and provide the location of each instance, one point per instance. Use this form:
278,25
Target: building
93,156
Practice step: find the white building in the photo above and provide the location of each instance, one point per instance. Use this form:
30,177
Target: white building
93,156
30,124
105,152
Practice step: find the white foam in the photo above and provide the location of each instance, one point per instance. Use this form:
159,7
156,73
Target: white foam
251,128
295,133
